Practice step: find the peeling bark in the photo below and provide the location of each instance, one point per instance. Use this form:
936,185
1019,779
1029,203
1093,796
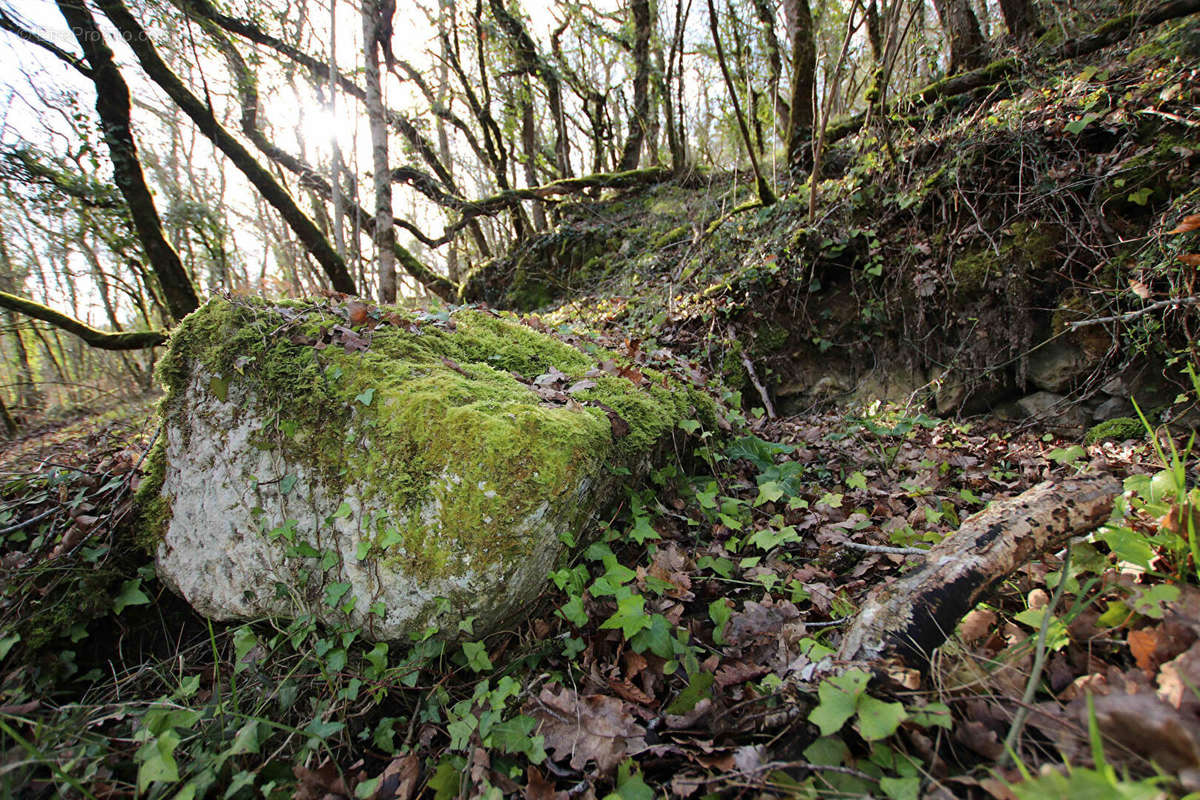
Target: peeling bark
912,616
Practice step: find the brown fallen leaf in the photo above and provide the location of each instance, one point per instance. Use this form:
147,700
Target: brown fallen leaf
595,728
357,312
976,625
322,783
625,689
1179,679
538,788
1191,259
1188,224
399,779
1140,289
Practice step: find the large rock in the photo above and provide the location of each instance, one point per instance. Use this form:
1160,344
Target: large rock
403,474
1053,366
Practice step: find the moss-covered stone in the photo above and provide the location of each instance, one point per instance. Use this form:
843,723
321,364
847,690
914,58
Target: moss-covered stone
415,463
1118,430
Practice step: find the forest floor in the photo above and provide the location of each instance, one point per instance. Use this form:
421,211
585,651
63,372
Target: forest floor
680,655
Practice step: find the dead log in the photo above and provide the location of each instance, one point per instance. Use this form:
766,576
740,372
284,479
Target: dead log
912,616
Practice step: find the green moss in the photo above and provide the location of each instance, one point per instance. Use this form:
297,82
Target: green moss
672,236
1027,246
1118,429
445,412
769,339
153,510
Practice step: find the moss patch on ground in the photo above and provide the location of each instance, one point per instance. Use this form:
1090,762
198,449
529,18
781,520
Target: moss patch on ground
1118,430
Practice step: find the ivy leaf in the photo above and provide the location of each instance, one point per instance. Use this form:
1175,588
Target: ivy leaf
390,538
857,480
1141,196
366,397
900,788
477,656
246,740
158,760
286,483
630,618
839,700
878,719
574,612
719,612
768,492
931,715
699,688
334,592
642,530
131,594
219,388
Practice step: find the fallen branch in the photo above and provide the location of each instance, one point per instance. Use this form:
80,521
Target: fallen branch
762,390
103,340
912,616
1128,315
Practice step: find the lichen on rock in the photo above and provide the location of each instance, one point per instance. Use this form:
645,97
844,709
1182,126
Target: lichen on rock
402,474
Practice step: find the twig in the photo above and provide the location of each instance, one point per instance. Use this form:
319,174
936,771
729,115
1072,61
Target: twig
1039,663
762,391
883,548
1128,315
28,522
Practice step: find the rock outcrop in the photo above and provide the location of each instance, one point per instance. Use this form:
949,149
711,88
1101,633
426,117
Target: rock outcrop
400,472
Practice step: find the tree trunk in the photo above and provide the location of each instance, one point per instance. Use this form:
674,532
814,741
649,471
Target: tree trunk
113,106
765,10
804,76
968,50
765,195
532,63
1021,18
385,234
529,143
632,152
306,231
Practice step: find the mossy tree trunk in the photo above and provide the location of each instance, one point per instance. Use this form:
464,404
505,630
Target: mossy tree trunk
113,106
638,126
1021,18
804,76
305,229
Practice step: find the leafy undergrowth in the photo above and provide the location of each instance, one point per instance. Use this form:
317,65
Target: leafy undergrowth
685,653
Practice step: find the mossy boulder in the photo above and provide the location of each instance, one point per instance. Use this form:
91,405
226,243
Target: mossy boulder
405,473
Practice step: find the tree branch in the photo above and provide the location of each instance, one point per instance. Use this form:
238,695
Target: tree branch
103,340
9,24
306,231
113,107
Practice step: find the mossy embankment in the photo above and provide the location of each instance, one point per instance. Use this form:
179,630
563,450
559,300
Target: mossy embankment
945,249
